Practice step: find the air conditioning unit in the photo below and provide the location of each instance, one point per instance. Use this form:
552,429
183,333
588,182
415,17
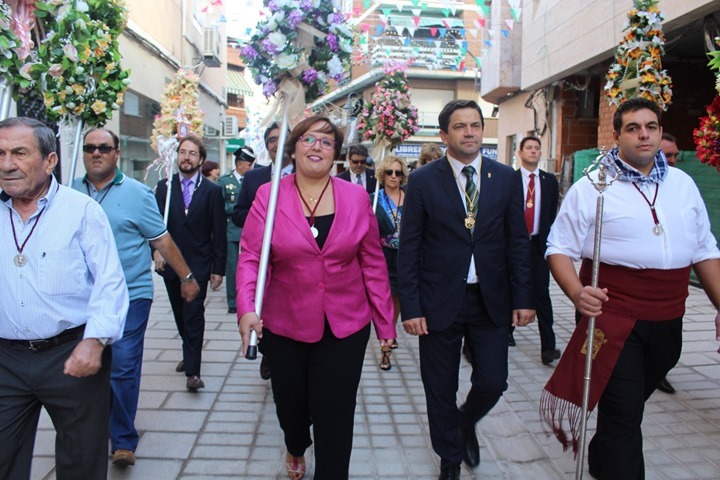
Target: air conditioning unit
211,132
211,47
230,127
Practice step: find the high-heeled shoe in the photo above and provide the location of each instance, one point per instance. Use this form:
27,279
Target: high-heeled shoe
385,353
295,466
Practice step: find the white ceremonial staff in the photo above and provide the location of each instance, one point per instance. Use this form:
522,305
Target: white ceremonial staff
269,224
6,90
76,151
600,185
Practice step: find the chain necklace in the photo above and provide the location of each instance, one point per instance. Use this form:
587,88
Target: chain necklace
470,202
312,210
657,229
20,260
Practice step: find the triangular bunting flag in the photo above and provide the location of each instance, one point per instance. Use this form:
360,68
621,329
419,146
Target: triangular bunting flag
446,23
406,42
445,11
433,31
485,10
461,32
491,32
399,7
415,2
365,27
443,32
473,32
509,23
416,11
367,3
416,21
516,13
379,29
488,43
386,11
505,32
464,46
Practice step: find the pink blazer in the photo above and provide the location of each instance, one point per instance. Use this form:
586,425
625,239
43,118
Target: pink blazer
346,281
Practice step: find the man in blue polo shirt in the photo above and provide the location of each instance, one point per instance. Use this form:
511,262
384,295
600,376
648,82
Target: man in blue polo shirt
135,221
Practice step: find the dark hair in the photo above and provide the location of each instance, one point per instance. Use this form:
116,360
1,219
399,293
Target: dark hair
208,167
357,149
669,138
269,129
198,143
44,136
447,111
529,139
244,154
633,105
306,125
116,140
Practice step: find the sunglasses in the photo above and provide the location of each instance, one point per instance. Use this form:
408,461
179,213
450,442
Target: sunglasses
309,141
398,173
360,162
103,148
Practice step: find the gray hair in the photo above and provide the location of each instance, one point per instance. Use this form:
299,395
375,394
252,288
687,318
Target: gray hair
44,136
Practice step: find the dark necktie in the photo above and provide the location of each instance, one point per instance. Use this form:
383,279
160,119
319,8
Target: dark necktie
471,192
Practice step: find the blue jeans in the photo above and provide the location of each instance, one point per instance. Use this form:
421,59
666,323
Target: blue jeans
127,356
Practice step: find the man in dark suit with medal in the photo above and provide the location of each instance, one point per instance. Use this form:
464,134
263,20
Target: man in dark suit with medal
197,223
464,271
541,204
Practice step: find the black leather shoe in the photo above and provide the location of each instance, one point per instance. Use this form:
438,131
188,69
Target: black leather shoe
472,449
180,366
265,371
194,382
232,310
511,340
665,386
550,355
450,473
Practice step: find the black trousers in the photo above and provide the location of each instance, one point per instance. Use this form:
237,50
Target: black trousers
541,296
440,367
316,384
650,352
79,409
190,322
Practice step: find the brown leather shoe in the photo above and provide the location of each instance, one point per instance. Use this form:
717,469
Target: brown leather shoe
180,366
123,458
194,382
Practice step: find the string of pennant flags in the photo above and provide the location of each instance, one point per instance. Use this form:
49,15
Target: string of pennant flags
394,21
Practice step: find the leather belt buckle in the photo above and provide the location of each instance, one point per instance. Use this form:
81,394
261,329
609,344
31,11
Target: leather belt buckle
37,345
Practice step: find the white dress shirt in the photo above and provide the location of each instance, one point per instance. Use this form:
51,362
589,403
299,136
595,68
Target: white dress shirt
627,229
73,274
536,197
461,181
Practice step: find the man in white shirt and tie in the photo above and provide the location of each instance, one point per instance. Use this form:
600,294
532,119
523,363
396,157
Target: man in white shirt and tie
358,171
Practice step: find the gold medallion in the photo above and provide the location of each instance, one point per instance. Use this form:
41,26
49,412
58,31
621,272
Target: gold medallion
470,221
529,204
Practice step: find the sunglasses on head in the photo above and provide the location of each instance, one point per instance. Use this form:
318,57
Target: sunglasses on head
103,148
398,173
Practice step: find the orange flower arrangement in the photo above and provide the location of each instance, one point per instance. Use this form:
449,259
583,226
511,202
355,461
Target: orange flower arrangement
637,70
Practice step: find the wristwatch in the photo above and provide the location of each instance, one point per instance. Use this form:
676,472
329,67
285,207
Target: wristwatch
189,278
103,341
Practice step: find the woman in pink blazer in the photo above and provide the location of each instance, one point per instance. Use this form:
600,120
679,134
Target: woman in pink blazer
327,280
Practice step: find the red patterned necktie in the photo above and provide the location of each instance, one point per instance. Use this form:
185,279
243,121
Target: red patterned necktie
530,205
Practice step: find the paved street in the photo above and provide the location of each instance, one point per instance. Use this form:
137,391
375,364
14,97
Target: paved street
229,429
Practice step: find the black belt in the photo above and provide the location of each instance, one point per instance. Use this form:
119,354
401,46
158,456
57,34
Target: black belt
472,286
37,345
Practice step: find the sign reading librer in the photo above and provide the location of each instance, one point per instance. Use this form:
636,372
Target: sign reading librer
412,150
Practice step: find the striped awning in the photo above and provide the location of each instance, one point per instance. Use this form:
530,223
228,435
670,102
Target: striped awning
237,85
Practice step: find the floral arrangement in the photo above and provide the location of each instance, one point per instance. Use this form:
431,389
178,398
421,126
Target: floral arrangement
79,67
9,42
180,112
637,70
389,115
707,135
308,40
